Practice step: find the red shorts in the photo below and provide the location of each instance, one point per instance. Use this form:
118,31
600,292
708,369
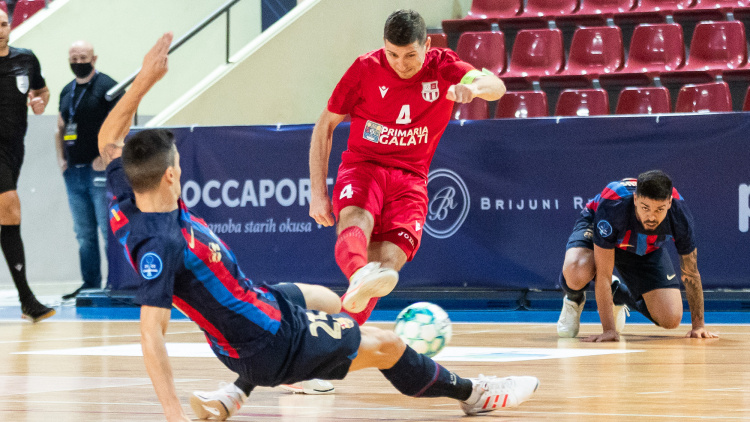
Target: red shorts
396,198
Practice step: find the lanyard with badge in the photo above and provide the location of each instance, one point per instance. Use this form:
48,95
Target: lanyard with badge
71,128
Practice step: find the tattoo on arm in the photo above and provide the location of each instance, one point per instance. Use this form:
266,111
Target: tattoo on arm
691,278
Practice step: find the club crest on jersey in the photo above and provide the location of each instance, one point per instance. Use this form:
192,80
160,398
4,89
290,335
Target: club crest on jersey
22,83
372,131
430,91
605,229
151,266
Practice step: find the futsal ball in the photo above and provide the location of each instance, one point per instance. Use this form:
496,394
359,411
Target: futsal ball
425,327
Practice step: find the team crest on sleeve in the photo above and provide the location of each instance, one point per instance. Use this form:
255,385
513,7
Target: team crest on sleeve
22,83
605,229
372,131
150,266
430,91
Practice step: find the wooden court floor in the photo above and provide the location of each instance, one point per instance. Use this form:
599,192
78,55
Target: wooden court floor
652,375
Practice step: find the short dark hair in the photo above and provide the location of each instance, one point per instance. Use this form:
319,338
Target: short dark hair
654,184
146,156
403,27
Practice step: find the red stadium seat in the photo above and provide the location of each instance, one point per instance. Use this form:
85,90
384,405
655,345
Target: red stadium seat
549,8
536,52
483,50
482,14
24,10
438,40
3,7
475,110
522,104
662,5
645,100
582,102
718,4
605,7
654,48
595,51
703,98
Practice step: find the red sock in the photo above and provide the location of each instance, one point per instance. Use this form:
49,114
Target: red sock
351,250
361,317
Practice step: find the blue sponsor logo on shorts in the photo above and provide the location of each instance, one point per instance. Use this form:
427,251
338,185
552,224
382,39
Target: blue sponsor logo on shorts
605,229
151,266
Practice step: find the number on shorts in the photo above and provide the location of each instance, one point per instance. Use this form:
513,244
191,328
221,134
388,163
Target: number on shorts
319,321
347,192
404,116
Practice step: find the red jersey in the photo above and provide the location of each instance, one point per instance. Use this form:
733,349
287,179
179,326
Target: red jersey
397,122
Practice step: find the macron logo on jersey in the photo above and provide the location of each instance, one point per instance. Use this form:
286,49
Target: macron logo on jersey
383,91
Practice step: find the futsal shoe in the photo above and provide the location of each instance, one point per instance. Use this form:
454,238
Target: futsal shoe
570,318
491,393
366,283
313,386
620,312
35,311
219,404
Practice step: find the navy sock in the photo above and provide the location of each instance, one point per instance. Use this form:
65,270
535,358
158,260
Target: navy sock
621,296
576,296
12,246
243,385
419,376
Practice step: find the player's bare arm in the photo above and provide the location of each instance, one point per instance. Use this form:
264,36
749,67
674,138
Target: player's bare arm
321,209
691,278
117,125
154,323
485,86
605,265
38,99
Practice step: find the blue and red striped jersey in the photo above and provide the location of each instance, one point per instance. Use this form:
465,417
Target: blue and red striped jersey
181,262
616,224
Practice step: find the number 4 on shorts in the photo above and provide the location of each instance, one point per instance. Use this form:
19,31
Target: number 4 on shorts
347,192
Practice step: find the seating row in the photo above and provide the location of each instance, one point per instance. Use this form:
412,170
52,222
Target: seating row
699,98
24,9
518,13
538,55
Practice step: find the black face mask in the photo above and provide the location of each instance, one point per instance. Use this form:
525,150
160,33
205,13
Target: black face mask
81,70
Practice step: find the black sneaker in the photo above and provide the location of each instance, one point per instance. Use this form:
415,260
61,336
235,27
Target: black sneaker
35,311
72,295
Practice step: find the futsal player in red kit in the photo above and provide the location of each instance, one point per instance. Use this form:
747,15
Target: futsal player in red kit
400,99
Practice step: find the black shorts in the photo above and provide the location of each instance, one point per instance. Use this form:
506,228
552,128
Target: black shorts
10,169
641,274
309,344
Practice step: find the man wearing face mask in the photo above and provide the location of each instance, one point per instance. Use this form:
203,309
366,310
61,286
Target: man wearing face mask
83,108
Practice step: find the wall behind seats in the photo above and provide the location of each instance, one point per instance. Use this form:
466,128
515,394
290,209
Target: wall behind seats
288,73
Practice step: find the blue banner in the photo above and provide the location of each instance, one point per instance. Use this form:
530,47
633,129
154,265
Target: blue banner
504,195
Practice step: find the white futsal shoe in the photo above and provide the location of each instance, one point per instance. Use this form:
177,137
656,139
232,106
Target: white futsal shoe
219,404
491,393
366,283
313,386
570,318
620,312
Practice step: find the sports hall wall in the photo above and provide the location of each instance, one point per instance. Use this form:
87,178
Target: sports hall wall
504,195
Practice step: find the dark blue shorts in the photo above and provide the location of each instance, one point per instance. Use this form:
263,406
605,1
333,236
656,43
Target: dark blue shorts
640,273
309,344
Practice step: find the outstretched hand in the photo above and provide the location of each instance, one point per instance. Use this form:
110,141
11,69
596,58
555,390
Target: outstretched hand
610,335
155,62
701,333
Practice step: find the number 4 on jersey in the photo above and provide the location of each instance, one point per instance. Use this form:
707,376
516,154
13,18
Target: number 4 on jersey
404,116
347,192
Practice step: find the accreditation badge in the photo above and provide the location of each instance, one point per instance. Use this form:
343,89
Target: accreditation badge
71,134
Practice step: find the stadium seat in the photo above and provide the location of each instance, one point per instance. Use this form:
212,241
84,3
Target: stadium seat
439,40
483,50
24,10
482,14
582,102
605,7
536,53
3,6
549,8
715,46
718,4
662,5
522,104
643,100
476,110
703,98
654,48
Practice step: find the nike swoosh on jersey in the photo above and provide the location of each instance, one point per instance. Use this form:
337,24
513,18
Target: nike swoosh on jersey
669,277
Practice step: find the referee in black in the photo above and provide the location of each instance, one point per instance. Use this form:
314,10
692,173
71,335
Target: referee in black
21,86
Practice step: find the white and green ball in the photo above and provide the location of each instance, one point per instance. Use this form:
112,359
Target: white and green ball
425,327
